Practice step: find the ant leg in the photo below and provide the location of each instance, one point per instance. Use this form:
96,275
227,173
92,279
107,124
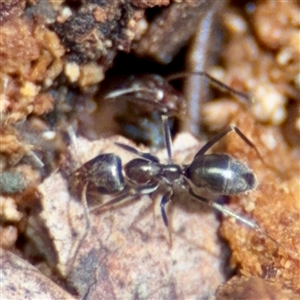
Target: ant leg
37,162
158,94
121,196
214,140
247,141
87,226
220,85
129,192
249,223
165,199
223,133
125,91
147,156
167,135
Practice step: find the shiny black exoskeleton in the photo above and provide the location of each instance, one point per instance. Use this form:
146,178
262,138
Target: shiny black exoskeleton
218,173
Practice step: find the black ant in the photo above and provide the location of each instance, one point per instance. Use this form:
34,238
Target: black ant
144,175
218,173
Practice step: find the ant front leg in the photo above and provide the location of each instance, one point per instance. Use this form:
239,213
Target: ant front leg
213,81
147,156
222,134
127,193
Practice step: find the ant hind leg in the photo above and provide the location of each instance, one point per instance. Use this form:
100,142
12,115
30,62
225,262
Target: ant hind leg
222,134
251,224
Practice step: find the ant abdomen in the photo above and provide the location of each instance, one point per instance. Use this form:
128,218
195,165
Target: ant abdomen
222,174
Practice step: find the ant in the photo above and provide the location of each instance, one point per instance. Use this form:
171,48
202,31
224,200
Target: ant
144,175
218,173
